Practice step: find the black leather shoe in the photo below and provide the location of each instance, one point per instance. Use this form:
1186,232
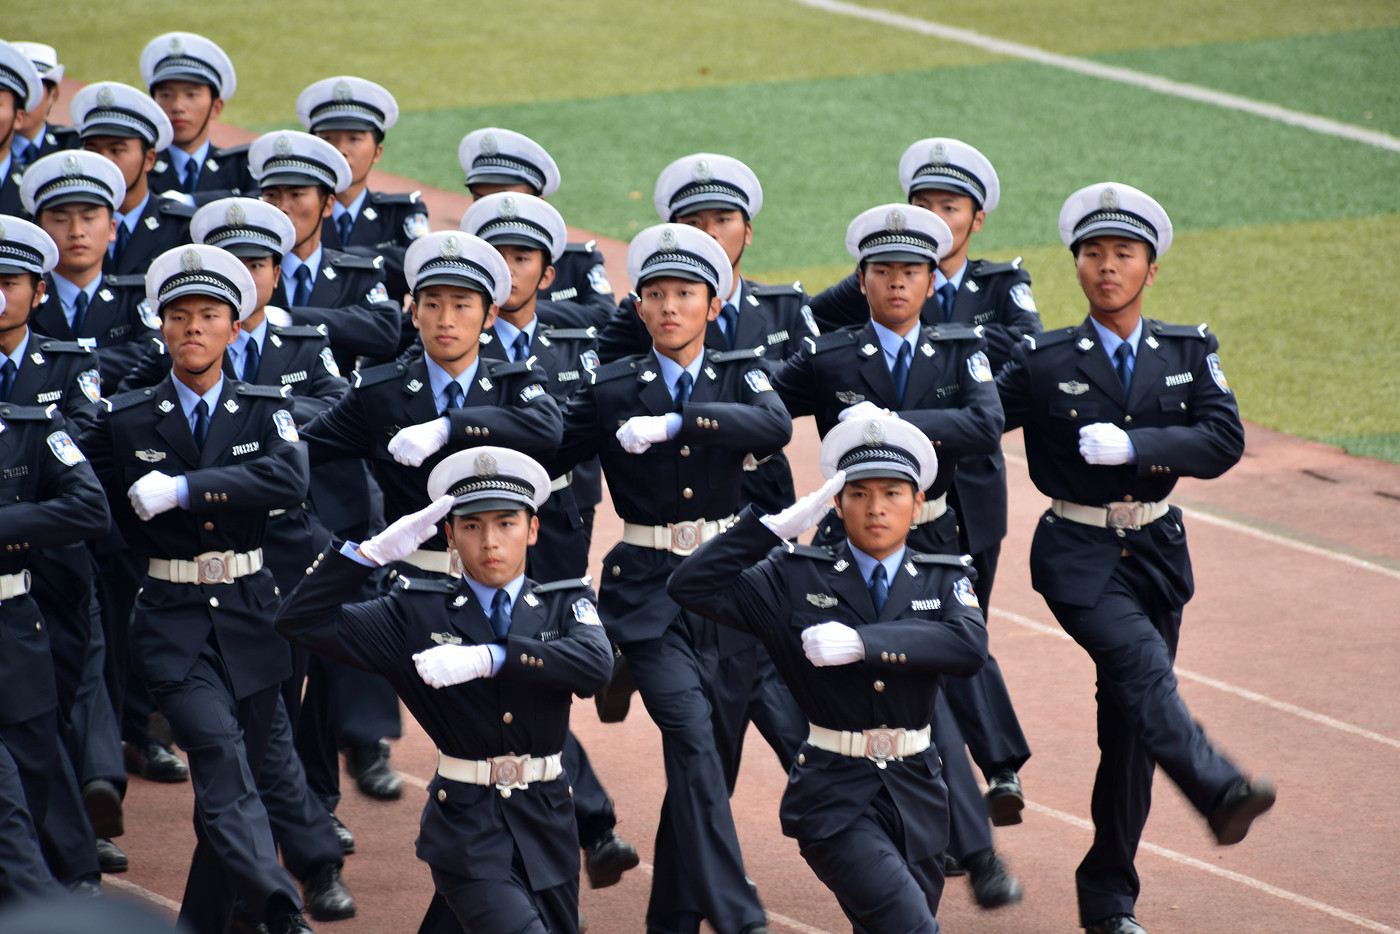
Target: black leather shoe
993,885
104,807
614,700
1238,807
368,765
343,834
155,763
326,898
110,858
85,888
953,867
1116,924
608,858
290,923
1004,798
759,928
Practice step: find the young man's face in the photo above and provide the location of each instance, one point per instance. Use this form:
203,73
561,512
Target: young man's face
451,319
22,296
959,212
482,189
132,158
530,272
191,107
359,149
266,271
492,545
197,329
729,228
1113,271
11,112
896,292
34,119
82,232
676,312
878,512
306,205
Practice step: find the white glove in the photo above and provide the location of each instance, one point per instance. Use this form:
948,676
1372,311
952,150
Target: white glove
416,443
403,537
640,431
278,316
832,644
866,409
154,494
446,665
807,511
1102,443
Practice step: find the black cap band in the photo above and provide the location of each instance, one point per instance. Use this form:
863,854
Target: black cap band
119,121
875,457
679,263
1116,217
14,253
694,196
183,66
931,173
345,111
502,164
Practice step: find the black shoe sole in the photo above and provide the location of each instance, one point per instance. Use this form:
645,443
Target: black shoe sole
104,811
339,914
1237,825
1005,810
611,872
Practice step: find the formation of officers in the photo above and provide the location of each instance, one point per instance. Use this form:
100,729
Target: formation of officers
276,456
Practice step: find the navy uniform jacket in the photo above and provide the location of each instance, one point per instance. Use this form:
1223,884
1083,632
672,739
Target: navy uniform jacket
349,296
386,225
696,475
49,498
56,138
63,374
1180,417
10,202
581,277
224,175
749,579
552,652
507,406
251,463
118,322
164,225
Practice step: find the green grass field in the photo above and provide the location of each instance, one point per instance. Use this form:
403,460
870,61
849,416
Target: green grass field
1287,239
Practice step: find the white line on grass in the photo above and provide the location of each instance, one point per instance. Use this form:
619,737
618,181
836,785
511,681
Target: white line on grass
1193,92
1225,686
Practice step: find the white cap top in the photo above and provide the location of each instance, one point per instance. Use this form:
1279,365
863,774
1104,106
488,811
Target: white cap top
244,227
291,157
511,219
949,165
484,479
74,176
898,233
25,247
197,269
346,103
18,74
682,252
110,108
451,257
186,56
44,58
706,180
879,447
505,157
1114,208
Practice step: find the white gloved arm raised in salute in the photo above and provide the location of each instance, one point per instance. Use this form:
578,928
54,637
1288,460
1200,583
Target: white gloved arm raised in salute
807,511
403,537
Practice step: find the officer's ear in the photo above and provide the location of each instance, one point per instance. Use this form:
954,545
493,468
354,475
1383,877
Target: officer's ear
148,161
447,530
40,287
716,305
534,534
216,108
1151,275
492,311
378,153
978,218
860,277
748,232
547,277
932,281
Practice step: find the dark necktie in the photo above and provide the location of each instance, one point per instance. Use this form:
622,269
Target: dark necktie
7,379
683,386
343,223
80,306
251,358
123,238
191,179
946,295
520,349
455,398
201,423
22,156
879,589
729,319
302,296
1122,363
500,614
900,373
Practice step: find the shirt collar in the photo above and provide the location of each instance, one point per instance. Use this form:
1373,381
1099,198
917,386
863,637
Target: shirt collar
188,398
5,165
291,263
131,217
867,563
890,341
179,158
956,278
1111,341
438,378
21,143
488,594
353,210
505,331
258,334
671,370
68,292
18,355
737,296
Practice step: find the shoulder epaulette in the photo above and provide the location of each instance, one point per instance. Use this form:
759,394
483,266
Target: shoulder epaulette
28,413
65,347
580,247
573,583
301,330
627,366
952,561
775,291
985,267
176,208
572,334
426,584
384,197
503,368
355,261
819,552
729,356
842,337
239,150
1048,338
1200,331
125,400
953,332
264,392
377,374
126,281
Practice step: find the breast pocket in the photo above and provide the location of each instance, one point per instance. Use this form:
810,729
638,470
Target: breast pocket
1075,409
1175,409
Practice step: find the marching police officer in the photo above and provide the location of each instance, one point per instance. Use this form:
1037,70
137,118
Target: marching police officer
21,91
487,664
1113,412
119,122
191,78
35,136
672,428
192,466
863,631
502,160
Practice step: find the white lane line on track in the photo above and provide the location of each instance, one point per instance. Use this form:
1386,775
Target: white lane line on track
141,892
1281,706
1192,92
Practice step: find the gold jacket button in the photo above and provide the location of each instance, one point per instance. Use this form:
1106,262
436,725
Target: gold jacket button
524,659
442,794
687,492
507,717
801,758
685,450
214,602
902,659
1073,413
616,570
208,526
879,685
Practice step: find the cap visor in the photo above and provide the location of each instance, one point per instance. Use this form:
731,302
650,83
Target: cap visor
251,250
204,290
293,179
457,281
183,74
696,207
1113,230
498,178
120,130
899,256
344,123
679,272
935,183
14,269
519,239
471,507
75,197
878,472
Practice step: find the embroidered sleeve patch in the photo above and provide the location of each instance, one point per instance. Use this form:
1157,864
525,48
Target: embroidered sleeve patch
1216,373
286,427
964,594
328,361
758,381
64,449
377,295
415,226
91,385
585,612
1021,295
598,280
531,392
979,367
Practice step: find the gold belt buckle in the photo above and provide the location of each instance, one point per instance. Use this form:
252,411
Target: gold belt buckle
882,745
213,569
508,772
685,536
1124,516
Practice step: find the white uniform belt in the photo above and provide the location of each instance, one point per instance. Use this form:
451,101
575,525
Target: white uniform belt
13,585
1111,515
439,562
505,772
676,537
559,483
212,567
878,745
933,509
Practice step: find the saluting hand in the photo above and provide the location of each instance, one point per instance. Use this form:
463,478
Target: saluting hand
416,443
832,644
807,511
403,537
446,665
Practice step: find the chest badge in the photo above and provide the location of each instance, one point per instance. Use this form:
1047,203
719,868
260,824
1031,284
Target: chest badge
849,398
460,600
166,406
1085,344
445,638
231,406
821,601
1074,388
414,385
150,456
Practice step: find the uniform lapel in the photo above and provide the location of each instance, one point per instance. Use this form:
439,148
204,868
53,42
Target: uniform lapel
922,370
844,578
49,317
1094,363
470,618
752,329
225,422
325,290
29,381
272,360
173,425
1148,367
419,403
653,393
874,370
527,618
902,589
